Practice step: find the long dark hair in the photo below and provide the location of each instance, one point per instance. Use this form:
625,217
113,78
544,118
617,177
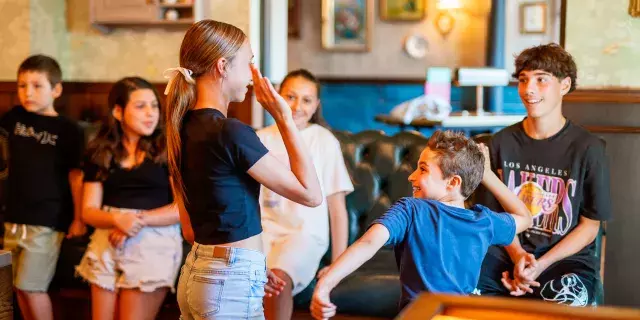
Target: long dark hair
106,149
317,117
205,42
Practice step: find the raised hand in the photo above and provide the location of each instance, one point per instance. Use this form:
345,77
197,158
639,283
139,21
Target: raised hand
487,157
268,97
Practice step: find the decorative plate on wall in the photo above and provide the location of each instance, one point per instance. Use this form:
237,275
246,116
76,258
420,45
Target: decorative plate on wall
416,46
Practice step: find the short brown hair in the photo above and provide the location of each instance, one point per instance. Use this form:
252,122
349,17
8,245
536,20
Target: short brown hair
458,155
551,58
44,64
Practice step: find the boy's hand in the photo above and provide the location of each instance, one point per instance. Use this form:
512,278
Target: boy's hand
76,229
274,284
117,238
487,158
128,223
321,306
525,272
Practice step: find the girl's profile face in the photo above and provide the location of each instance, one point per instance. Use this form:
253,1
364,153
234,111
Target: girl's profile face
238,75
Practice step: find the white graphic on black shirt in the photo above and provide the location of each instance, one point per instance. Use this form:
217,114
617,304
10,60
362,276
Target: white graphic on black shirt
43,137
548,197
570,291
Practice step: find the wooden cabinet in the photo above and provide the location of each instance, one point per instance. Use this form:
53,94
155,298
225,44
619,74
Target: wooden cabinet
112,13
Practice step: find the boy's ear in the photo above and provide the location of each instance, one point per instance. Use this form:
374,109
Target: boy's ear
565,85
57,90
117,112
454,181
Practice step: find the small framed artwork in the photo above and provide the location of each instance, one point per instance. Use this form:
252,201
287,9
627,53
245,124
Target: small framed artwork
402,10
533,18
347,25
294,19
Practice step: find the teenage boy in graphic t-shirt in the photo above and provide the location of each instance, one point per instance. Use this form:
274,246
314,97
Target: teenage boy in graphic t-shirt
560,171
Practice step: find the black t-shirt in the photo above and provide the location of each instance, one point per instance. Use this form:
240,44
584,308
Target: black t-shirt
143,187
560,179
222,198
42,152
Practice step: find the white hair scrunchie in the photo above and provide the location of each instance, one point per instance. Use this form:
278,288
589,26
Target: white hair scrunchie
171,74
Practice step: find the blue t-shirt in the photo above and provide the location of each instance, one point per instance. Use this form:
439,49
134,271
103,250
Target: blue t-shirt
440,248
222,198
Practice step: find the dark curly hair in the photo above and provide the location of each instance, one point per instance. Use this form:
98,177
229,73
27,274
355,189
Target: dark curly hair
458,155
106,149
551,58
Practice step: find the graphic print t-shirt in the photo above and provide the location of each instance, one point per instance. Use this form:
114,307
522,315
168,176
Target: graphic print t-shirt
560,179
42,151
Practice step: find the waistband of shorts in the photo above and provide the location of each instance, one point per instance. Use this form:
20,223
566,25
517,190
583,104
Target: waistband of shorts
121,210
227,253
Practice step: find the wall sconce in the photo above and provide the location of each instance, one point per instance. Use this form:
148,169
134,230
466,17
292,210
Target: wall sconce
445,21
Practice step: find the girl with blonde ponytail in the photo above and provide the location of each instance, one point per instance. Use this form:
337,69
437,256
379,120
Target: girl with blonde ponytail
218,164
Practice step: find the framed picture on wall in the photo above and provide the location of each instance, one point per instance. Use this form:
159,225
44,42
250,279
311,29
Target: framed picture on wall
294,19
402,10
533,18
347,25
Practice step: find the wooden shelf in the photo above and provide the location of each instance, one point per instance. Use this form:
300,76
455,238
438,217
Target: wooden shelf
176,5
184,21
108,14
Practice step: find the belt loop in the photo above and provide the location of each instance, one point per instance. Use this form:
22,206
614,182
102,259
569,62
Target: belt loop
231,256
195,251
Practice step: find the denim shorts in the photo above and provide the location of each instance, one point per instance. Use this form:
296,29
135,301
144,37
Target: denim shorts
222,283
147,261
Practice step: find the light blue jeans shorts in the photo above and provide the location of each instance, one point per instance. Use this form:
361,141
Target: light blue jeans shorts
222,283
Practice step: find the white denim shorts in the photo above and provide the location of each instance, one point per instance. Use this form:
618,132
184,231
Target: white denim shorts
148,261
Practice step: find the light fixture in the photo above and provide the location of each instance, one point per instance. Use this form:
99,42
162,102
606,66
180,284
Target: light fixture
444,21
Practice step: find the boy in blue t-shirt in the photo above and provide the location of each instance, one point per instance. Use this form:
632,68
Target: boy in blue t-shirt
439,244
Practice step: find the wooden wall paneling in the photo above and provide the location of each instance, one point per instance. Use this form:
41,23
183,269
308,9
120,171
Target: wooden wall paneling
88,100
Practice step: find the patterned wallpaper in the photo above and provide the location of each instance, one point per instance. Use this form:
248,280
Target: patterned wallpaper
14,36
464,46
61,28
609,59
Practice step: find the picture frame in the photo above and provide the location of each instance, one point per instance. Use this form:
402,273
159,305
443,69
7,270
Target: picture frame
403,10
294,14
533,18
347,25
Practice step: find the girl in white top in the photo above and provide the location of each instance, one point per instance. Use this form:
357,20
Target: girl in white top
292,231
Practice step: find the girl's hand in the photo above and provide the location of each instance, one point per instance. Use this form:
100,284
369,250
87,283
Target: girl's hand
128,223
268,97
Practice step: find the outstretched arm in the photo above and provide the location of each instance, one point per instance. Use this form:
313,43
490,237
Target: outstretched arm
356,255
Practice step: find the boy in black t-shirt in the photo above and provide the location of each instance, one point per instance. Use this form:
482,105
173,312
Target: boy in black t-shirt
44,183
560,171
